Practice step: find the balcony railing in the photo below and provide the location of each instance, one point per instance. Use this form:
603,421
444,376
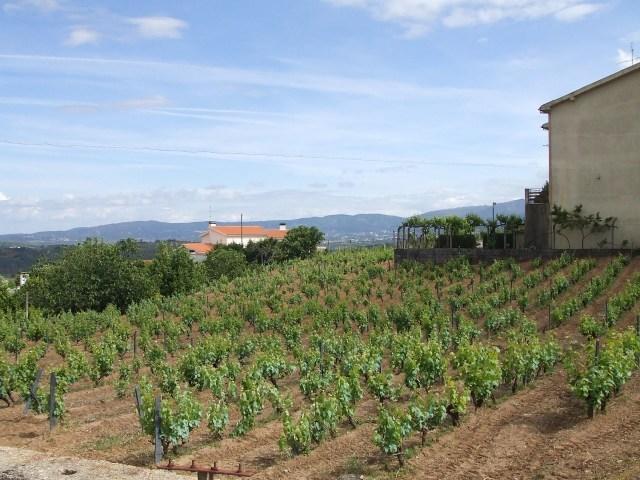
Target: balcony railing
533,195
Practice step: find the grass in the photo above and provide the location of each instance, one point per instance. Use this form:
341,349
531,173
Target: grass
108,442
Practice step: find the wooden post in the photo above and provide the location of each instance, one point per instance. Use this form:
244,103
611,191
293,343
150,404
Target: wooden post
638,325
597,349
137,398
135,344
32,391
53,419
606,313
159,451
549,316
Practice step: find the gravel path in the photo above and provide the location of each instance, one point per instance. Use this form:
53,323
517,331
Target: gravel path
20,464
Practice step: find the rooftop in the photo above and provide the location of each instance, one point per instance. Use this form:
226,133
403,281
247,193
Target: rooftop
546,108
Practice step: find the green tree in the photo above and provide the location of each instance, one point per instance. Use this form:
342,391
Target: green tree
173,270
300,242
264,251
6,301
224,261
89,276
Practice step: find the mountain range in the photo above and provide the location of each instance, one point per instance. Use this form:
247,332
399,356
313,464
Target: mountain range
360,227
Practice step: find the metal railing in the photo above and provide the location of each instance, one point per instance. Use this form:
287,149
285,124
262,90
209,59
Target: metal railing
532,195
206,472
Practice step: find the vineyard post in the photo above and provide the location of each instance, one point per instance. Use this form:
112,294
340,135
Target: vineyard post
136,397
135,344
158,452
597,349
638,325
606,313
549,315
33,390
26,307
53,419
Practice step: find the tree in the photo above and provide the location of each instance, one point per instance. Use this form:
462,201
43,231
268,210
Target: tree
576,219
89,276
173,270
300,242
262,252
224,261
509,224
6,301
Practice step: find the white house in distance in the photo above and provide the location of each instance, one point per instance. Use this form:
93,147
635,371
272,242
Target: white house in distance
240,234
232,234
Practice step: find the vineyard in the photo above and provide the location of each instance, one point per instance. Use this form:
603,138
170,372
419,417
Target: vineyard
343,363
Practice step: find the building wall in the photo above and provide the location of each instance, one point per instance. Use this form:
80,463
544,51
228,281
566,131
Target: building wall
216,238
595,158
245,240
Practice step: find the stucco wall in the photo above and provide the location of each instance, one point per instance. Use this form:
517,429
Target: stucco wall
595,157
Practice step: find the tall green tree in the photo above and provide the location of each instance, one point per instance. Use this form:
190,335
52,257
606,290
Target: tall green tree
300,242
174,271
229,262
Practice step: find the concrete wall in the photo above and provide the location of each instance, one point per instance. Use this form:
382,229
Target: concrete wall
476,255
595,157
536,229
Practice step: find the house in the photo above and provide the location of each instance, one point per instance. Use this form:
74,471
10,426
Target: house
594,159
198,251
240,234
231,234
22,279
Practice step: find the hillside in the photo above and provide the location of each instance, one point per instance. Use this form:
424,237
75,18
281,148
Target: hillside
361,227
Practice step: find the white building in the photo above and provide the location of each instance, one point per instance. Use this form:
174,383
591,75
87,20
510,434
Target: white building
240,234
231,234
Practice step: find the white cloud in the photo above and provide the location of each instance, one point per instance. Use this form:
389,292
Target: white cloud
417,16
81,36
40,5
3,197
577,12
159,27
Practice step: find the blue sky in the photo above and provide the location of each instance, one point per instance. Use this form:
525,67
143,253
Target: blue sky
117,111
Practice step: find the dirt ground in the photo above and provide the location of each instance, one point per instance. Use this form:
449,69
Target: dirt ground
541,432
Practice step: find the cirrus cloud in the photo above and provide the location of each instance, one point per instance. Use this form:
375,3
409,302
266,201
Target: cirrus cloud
418,16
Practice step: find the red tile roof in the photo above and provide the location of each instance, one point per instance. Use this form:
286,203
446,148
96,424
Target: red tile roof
200,248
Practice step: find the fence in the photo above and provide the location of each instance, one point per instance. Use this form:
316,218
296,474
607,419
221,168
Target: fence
477,255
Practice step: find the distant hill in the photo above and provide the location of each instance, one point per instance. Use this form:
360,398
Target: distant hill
362,227
514,207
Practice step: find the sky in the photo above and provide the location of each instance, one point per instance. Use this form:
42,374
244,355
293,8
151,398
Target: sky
162,110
